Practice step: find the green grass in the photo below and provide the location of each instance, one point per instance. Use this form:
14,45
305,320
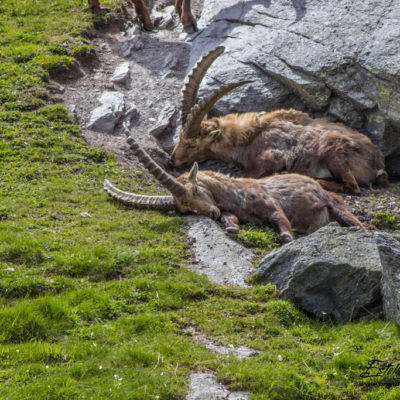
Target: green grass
95,296
384,220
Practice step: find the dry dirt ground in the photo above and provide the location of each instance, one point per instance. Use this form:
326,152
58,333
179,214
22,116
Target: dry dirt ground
158,67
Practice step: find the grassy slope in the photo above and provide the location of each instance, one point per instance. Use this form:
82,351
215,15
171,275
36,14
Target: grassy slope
90,306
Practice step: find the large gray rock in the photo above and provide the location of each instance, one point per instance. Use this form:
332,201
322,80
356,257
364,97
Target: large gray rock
389,250
336,60
332,273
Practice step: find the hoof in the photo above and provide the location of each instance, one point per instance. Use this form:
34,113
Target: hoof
232,230
103,11
148,27
191,27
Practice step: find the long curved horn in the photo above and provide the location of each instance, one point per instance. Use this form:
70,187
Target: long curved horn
163,177
140,201
189,92
199,111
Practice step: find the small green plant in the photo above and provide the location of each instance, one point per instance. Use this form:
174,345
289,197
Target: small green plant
82,50
261,239
384,220
53,61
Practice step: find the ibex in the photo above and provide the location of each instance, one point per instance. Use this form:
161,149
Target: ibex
182,7
284,201
266,143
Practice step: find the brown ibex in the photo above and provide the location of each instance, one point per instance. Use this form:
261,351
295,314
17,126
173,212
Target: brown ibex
266,143
284,201
182,7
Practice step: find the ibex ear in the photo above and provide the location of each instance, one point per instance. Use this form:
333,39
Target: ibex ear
193,173
214,135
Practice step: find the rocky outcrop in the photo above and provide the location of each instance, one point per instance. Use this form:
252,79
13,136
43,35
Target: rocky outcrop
389,251
333,273
339,61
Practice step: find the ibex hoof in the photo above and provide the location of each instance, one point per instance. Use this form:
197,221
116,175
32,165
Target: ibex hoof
232,230
190,27
286,237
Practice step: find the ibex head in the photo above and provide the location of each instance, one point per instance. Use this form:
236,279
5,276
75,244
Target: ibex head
196,137
188,195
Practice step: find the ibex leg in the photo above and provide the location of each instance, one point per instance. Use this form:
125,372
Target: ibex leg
182,7
341,171
230,222
94,5
340,213
277,218
332,186
143,14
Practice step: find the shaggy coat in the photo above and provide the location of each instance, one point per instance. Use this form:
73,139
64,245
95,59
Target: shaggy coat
284,201
287,140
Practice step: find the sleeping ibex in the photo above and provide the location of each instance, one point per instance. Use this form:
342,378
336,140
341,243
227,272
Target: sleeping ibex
284,201
266,143
182,7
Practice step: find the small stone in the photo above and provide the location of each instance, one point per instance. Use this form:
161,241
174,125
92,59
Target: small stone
121,73
85,214
105,117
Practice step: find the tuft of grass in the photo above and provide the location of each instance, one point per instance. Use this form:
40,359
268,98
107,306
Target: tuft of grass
384,220
261,239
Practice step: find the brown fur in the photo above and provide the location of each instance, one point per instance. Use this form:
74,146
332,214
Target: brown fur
182,7
264,144
284,201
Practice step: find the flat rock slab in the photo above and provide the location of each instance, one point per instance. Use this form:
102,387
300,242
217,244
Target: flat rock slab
333,273
221,259
240,352
205,387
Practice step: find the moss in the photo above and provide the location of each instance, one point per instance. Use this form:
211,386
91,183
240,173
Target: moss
53,61
82,51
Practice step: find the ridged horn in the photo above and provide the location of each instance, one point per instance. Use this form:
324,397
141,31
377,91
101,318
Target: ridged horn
198,112
163,177
140,201
189,92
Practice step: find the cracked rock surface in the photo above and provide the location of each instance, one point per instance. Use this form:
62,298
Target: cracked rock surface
221,259
351,72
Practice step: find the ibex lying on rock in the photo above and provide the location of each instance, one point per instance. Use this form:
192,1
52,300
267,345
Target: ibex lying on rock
284,201
182,7
266,143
